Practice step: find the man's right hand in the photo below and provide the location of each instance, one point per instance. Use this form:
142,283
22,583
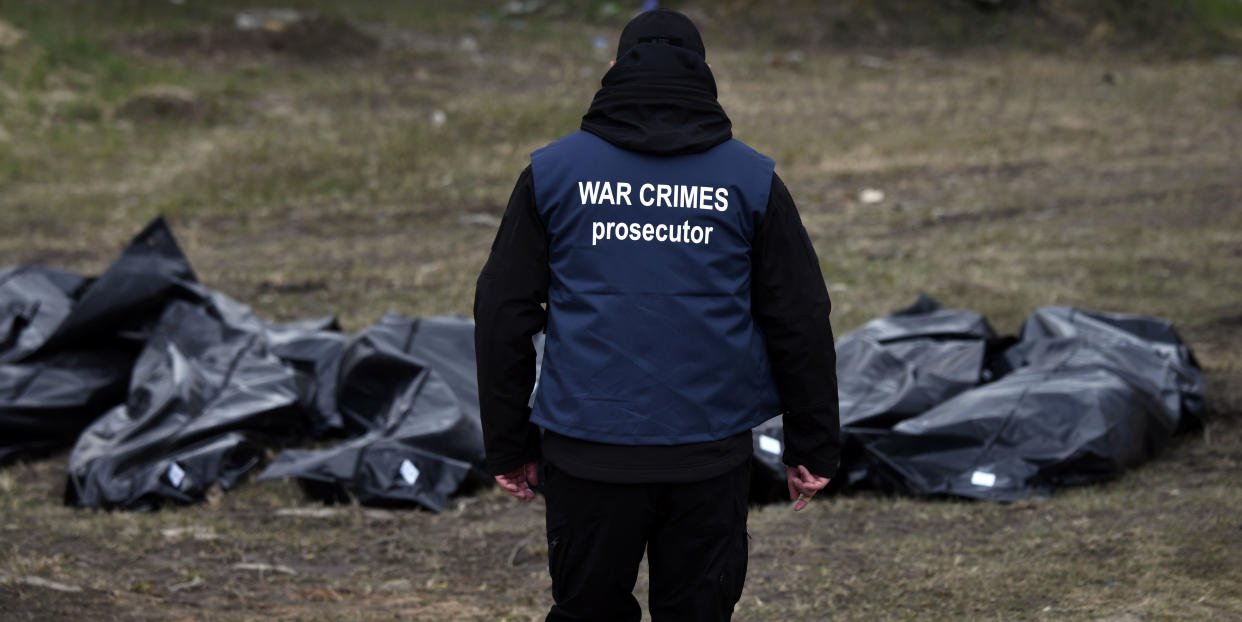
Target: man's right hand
803,485
518,481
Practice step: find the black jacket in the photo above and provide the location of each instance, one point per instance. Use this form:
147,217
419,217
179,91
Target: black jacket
662,100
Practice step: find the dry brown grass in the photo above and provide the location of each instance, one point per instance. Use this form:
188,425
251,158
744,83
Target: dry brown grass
1011,179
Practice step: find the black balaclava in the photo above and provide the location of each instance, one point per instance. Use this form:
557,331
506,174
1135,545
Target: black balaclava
660,97
661,26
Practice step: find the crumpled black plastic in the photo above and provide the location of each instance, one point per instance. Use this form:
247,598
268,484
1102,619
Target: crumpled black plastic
898,366
408,386
34,301
68,343
170,388
1078,398
45,403
175,388
205,399
1092,395
138,352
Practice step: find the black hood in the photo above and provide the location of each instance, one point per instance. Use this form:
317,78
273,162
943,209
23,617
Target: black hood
659,99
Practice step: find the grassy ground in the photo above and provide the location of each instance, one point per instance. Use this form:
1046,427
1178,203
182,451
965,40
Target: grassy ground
363,182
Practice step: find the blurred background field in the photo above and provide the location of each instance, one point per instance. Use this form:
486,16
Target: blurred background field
353,157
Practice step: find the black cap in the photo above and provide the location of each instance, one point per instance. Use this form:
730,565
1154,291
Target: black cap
661,26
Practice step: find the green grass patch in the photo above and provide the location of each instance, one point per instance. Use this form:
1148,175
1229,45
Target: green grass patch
1012,179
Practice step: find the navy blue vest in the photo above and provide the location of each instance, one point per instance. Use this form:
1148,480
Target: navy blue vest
650,337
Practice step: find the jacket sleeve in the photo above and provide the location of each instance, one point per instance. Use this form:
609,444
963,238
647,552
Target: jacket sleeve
790,304
508,312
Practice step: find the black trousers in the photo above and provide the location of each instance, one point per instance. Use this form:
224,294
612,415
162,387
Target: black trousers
694,535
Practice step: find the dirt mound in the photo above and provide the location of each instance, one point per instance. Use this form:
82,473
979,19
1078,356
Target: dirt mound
305,37
161,103
1159,28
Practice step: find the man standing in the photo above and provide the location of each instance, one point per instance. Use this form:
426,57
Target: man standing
684,306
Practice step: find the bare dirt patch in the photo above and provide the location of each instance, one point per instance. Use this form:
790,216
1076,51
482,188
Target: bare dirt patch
311,38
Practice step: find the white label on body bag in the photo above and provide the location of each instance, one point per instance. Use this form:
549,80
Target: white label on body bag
409,472
769,444
983,478
176,475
